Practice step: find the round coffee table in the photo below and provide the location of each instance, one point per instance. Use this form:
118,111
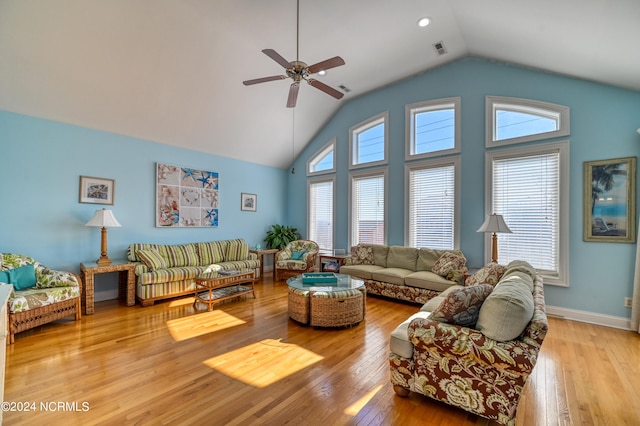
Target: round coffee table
338,304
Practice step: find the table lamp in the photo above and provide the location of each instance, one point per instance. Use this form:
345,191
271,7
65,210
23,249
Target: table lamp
495,224
103,218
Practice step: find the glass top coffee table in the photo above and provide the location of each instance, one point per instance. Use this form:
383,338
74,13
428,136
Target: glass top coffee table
218,286
321,304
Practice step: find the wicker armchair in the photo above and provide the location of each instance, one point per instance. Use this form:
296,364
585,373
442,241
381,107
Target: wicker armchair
55,295
297,257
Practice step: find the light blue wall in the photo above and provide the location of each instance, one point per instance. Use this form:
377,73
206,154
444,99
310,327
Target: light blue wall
40,165
604,120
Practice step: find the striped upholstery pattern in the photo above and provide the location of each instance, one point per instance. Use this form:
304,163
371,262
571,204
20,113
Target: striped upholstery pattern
152,259
337,294
178,273
211,252
180,255
236,250
167,289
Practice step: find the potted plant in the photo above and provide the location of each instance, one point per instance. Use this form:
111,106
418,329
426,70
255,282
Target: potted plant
281,235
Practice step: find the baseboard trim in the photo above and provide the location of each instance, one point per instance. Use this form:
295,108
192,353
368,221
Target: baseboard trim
589,317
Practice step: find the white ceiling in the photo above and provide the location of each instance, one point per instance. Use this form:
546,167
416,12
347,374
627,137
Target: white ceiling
171,71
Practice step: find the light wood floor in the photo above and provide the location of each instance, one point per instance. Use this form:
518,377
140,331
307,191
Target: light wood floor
248,363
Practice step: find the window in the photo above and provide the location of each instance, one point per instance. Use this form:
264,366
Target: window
368,142
368,209
433,128
324,161
321,196
530,187
512,120
432,204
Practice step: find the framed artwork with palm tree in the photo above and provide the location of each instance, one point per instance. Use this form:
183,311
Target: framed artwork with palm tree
610,200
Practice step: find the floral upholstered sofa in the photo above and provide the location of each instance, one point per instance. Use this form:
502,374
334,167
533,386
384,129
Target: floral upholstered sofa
164,271
40,295
474,347
405,273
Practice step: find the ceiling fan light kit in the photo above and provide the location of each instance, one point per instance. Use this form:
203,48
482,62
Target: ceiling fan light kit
299,71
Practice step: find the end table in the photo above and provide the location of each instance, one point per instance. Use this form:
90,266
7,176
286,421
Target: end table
261,254
126,282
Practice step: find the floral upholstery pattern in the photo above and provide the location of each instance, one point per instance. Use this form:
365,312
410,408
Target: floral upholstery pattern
462,306
451,265
32,298
286,267
410,294
361,255
488,274
462,367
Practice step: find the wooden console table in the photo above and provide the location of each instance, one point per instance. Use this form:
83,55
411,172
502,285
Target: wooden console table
126,282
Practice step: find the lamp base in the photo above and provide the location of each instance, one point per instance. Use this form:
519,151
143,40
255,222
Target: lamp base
103,261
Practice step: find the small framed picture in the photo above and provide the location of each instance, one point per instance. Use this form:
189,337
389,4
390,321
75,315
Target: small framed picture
95,190
248,202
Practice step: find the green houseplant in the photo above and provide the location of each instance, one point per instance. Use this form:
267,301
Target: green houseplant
281,235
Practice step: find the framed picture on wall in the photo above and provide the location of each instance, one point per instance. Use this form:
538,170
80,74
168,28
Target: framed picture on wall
95,190
248,202
610,200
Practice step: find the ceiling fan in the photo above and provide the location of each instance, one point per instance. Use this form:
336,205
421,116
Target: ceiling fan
298,70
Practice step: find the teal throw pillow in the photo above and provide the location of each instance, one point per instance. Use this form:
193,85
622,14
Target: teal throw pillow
23,277
4,277
297,255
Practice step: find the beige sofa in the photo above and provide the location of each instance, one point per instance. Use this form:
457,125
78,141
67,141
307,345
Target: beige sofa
481,366
405,273
164,271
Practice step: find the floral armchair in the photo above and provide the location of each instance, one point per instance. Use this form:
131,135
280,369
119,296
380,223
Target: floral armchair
297,257
40,295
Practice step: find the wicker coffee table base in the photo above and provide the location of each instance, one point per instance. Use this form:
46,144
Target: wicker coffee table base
317,310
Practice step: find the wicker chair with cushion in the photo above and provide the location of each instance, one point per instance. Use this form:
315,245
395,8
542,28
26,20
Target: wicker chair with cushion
297,257
40,295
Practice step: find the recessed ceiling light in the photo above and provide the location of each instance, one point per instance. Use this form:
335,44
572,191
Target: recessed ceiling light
322,72
423,22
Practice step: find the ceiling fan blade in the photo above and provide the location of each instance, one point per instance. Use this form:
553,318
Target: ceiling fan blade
276,57
326,89
264,79
336,61
293,95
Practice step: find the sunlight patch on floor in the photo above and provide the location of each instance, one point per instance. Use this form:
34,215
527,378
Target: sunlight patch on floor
203,323
263,363
355,408
181,302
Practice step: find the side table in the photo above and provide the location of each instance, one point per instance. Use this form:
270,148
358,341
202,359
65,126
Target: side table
261,254
126,282
332,262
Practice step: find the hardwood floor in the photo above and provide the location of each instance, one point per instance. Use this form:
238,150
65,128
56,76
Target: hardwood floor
248,363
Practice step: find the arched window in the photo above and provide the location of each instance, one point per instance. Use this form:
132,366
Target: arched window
324,161
368,142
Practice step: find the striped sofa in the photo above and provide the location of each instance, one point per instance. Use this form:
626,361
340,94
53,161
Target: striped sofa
164,271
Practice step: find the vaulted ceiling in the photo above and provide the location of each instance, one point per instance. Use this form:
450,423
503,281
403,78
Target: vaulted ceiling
171,71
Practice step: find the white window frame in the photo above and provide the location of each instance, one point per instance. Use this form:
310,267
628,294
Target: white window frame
430,164
379,171
493,103
315,180
561,278
427,106
322,152
365,125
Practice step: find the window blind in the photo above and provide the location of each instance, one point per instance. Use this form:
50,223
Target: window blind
526,191
367,220
321,214
432,207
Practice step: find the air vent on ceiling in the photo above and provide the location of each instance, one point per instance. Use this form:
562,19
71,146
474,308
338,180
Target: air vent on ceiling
344,88
440,49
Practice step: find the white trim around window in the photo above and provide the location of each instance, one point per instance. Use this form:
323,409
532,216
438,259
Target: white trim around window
444,230
361,127
354,176
557,245
328,148
318,208
412,110
560,114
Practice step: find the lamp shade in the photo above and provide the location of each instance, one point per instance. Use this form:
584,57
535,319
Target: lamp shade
104,219
494,223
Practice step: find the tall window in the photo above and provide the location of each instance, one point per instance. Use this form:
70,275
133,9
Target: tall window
368,208
324,160
433,128
368,142
320,196
431,209
529,187
513,120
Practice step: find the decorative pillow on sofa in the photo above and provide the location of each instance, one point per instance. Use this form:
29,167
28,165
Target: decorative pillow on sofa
152,259
462,306
236,250
451,265
22,277
297,255
488,274
362,255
